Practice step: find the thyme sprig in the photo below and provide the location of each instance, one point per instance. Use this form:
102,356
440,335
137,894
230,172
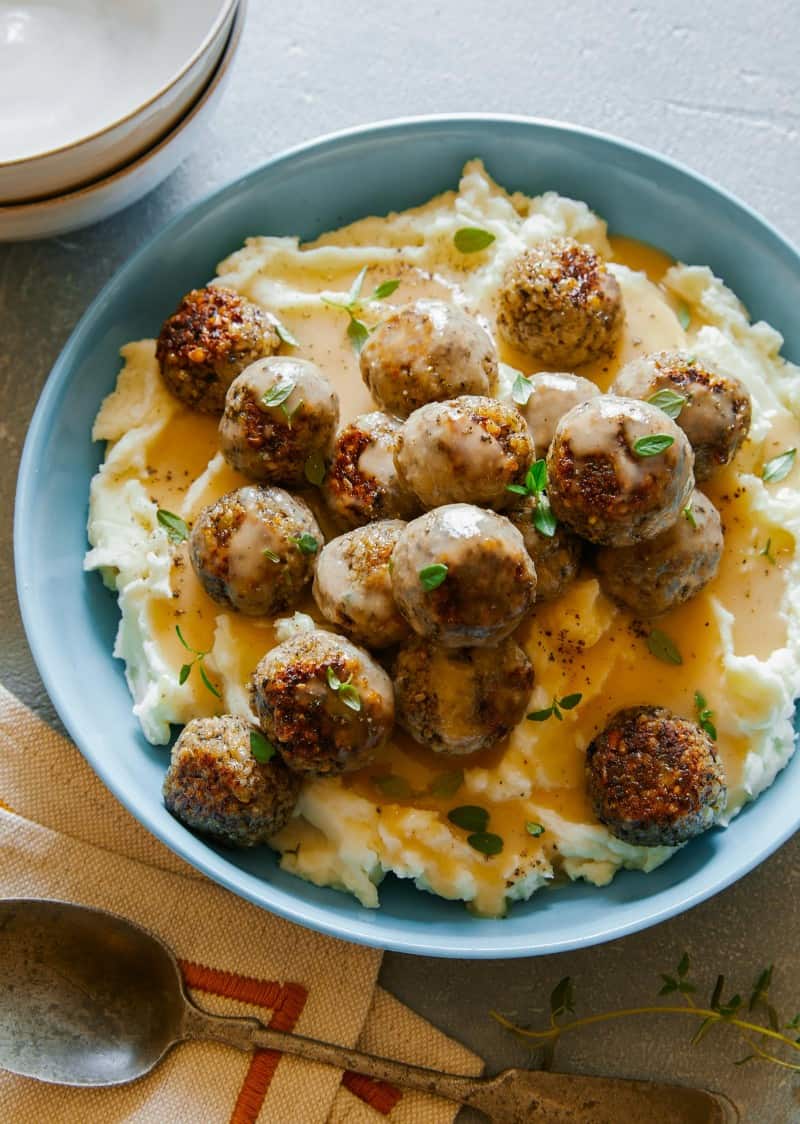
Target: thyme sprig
569,702
536,486
357,330
762,1038
199,657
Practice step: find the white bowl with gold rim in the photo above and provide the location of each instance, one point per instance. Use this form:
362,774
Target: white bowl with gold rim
91,86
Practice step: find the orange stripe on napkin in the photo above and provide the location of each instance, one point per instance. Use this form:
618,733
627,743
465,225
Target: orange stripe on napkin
377,1094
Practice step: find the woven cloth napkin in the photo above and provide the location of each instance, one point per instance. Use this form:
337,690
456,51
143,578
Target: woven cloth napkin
63,835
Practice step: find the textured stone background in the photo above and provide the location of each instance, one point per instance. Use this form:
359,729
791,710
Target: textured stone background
714,85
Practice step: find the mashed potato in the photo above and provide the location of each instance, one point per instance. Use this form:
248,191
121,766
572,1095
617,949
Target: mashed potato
739,639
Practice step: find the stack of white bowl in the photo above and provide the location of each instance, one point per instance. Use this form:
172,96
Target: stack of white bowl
101,101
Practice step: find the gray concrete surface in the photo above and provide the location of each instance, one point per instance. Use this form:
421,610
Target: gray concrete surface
715,85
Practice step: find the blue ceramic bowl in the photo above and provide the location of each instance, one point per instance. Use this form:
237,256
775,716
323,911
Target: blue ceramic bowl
71,618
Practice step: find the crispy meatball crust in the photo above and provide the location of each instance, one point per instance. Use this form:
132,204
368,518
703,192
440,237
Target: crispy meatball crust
601,487
559,303
465,450
209,339
273,443
244,549
309,722
427,352
557,557
653,576
353,584
461,700
654,779
215,786
362,483
716,416
554,392
490,584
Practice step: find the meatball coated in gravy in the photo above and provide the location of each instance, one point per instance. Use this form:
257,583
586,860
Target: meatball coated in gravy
605,481
249,551
655,779
214,785
462,577
362,483
209,339
280,414
324,703
554,393
466,450
557,557
427,352
353,584
653,576
460,700
715,415
559,303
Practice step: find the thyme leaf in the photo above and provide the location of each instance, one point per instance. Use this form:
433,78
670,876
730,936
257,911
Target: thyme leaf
176,528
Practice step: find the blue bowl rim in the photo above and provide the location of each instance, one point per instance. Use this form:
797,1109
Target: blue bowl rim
294,909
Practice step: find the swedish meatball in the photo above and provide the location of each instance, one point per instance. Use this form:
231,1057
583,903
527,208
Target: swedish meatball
209,339
324,703
559,303
605,482
557,557
654,779
353,584
253,549
215,785
462,577
716,414
465,450
427,352
460,700
361,483
653,576
279,413
553,394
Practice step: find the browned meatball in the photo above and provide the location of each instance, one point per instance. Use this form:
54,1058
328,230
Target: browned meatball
361,483
209,339
216,786
465,450
460,700
254,549
654,779
462,577
324,703
427,352
715,415
353,584
279,419
553,393
605,482
653,576
559,303
557,557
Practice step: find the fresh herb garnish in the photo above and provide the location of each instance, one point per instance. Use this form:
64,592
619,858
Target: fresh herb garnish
431,577
394,786
469,816
779,467
705,716
521,390
471,239
314,468
289,414
273,557
652,445
176,529
306,543
357,330
663,647
385,289
771,1030
486,842
357,333
669,401
285,335
534,829
767,552
199,657
277,394
344,689
569,702
260,748
684,316
446,784
535,485
689,515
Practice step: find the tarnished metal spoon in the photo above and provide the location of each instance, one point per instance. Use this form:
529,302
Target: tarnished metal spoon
88,998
